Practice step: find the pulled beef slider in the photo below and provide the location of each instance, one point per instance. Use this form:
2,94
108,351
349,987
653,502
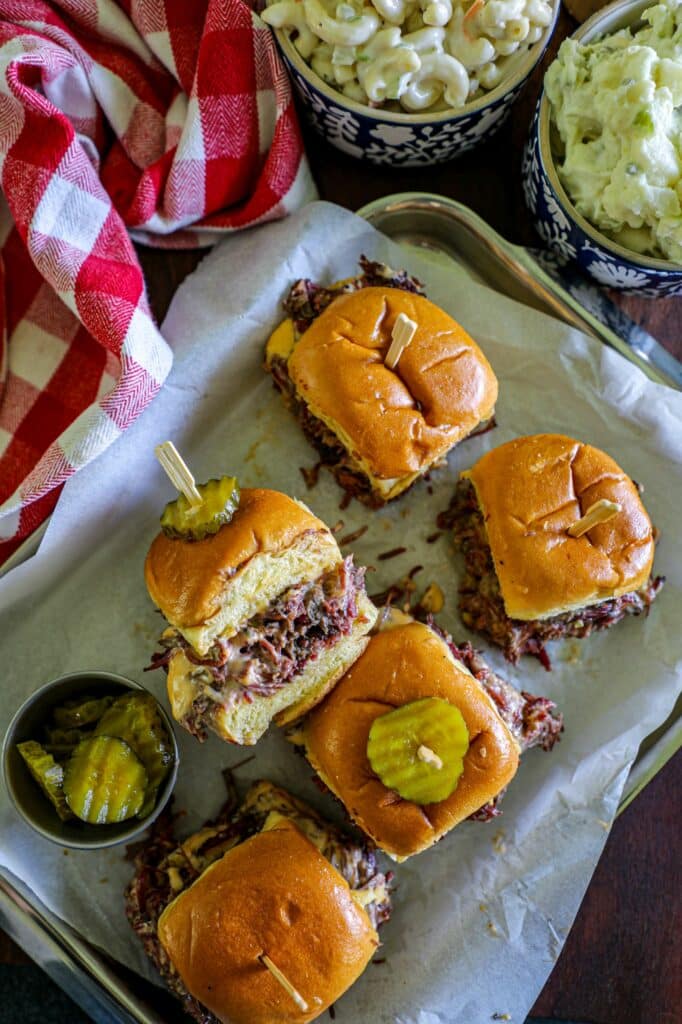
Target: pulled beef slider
271,878
381,428
528,579
406,662
265,615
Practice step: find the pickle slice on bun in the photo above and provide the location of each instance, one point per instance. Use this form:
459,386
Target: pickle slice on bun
405,666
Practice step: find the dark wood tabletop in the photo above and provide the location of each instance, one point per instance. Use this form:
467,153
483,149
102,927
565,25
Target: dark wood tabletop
621,963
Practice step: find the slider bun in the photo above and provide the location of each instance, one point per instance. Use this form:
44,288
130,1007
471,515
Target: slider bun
244,723
530,491
393,423
274,894
401,665
210,587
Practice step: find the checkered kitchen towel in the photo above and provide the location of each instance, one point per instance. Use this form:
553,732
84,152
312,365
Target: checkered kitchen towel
170,121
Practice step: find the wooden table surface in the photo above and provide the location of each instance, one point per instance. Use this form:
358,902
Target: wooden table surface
621,963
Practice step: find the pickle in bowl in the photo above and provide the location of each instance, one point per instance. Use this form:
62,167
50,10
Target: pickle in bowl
76,713
104,781
48,774
135,718
92,749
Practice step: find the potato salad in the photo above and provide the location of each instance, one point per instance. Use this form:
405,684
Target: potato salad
616,104
411,55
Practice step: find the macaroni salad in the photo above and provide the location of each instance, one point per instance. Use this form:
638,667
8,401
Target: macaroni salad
416,55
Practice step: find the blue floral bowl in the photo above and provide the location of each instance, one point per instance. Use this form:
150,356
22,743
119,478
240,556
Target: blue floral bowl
557,221
403,139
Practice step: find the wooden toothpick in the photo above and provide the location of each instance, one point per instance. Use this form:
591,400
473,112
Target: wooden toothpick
429,756
284,982
178,472
402,334
600,512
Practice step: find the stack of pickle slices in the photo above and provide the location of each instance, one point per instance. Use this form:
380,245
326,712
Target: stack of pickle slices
102,759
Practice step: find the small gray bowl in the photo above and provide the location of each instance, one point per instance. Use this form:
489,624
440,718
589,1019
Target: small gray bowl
28,799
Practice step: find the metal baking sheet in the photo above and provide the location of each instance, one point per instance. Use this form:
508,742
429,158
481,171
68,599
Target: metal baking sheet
451,232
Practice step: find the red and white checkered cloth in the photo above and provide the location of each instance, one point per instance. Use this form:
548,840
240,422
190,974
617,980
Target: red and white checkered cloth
170,121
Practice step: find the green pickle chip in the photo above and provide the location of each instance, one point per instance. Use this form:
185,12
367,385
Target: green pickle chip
220,501
85,711
61,743
418,749
104,781
65,737
135,718
48,774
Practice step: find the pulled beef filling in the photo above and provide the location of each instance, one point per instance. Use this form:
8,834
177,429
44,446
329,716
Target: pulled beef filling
272,647
164,868
481,603
532,721
306,299
332,453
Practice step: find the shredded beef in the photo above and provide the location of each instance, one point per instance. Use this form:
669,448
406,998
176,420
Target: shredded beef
481,604
306,299
532,721
147,897
271,648
332,453
164,868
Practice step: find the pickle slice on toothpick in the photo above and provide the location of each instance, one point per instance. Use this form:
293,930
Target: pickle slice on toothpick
219,502
418,749
200,509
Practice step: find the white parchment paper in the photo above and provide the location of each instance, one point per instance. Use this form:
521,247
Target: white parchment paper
480,919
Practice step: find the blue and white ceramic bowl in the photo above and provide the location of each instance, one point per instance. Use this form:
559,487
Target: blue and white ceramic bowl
557,221
401,139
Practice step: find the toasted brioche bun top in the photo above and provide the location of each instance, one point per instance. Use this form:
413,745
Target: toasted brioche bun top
401,665
395,421
273,894
530,491
187,579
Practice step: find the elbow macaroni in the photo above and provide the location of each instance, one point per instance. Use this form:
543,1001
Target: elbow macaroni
421,54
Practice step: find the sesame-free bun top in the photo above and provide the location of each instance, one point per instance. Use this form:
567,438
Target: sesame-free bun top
274,894
395,422
530,491
401,665
209,587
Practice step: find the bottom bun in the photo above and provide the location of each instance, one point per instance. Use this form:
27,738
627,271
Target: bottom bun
244,723
273,894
